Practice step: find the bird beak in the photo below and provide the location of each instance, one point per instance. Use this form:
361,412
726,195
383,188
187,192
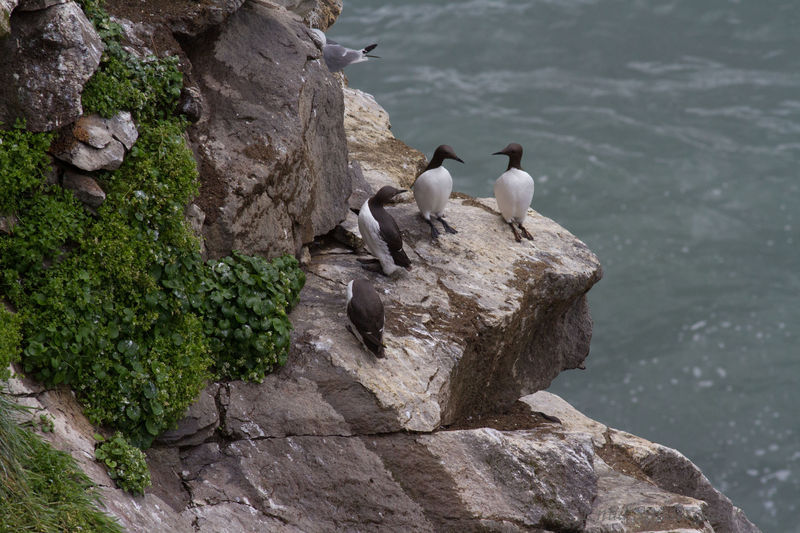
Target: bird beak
499,153
458,159
369,55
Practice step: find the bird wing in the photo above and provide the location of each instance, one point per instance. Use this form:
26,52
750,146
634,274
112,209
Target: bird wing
371,336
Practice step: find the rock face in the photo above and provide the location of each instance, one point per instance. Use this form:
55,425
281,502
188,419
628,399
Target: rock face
44,64
443,434
95,143
317,13
271,149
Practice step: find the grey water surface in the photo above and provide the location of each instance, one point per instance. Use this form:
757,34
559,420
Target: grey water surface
666,135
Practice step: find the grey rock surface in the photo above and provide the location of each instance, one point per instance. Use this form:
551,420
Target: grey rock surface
95,143
271,149
690,498
36,5
85,188
6,7
317,13
44,64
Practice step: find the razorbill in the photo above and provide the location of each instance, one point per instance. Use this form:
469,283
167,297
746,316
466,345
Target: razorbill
337,56
365,314
380,232
514,190
432,189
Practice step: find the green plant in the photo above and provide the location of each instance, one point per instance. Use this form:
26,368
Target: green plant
120,305
42,489
24,162
147,87
10,338
126,464
244,302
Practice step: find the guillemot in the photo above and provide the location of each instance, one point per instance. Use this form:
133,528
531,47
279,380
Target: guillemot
432,189
381,234
337,56
514,190
366,316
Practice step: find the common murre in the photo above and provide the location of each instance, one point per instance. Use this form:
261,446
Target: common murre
366,316
513,191
337,56
381,234
432,189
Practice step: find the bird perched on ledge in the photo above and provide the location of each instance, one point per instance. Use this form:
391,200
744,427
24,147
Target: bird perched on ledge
513,191
366,315
380,233
432,189
337,56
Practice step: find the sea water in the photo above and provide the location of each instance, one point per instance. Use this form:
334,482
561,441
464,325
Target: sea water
666,135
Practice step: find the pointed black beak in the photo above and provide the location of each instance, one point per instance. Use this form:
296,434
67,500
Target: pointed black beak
499,153
458,159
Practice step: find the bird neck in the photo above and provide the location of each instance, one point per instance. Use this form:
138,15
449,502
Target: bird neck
514,162
436,162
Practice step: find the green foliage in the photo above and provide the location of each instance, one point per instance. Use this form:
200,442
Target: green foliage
10,339
96,317
42,489
23,160
147,87
120,305
126,464
244,302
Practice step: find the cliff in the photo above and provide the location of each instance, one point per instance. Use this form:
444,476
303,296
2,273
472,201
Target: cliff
452,431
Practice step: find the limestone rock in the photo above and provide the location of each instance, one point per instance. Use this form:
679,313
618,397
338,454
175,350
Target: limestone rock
317,13
383,159
44,64
198,424
663,468
36,5
6,7
470,329
7,223
85,188
95,143
271,151
191,103
187,18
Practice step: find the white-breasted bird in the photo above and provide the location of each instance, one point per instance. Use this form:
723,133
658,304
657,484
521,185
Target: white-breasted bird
432,189
380,233
366,315
337,56
513,191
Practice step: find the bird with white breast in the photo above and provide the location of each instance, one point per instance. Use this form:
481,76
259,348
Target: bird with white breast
432,189
513,191
381,235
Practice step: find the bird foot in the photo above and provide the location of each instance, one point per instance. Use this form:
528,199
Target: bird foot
525,232
516,234
447,227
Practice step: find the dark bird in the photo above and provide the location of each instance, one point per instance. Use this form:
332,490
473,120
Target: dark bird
366,316
337,56
513,191
432,189
381,234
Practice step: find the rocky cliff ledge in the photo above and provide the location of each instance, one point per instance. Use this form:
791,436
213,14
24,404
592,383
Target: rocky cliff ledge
452,430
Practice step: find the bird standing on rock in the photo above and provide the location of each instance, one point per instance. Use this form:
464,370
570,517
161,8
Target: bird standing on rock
366,315
432,189
513,191
337,56
381,234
